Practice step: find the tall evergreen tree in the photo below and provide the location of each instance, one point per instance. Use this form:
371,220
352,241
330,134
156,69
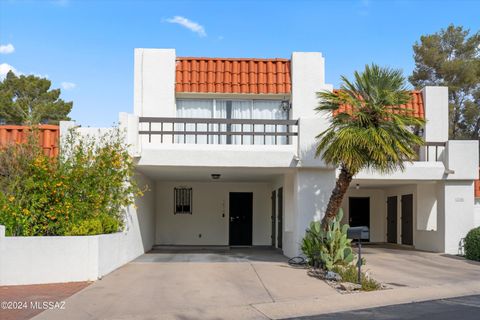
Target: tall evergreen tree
451,57
29,100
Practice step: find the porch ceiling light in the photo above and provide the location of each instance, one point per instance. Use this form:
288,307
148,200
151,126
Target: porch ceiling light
216,176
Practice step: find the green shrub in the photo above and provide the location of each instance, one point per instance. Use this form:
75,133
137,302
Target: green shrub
349,273
83,191
472,244
330,247
86,228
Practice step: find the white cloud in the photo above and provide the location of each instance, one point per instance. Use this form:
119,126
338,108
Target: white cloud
7,48
68,85
4,68
190,25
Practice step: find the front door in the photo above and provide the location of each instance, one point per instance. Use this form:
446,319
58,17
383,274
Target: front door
274,215
280,218
392,219
407,219
241,211
359,212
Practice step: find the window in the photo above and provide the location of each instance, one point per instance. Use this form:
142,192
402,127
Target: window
182,199
230,109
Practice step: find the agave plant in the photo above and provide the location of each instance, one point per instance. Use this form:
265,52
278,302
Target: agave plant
328,247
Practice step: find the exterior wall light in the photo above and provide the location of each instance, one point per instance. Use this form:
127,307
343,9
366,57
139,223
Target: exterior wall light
285,105
357,186
216,176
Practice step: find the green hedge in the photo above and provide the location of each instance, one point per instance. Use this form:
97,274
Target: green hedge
472,244
83,192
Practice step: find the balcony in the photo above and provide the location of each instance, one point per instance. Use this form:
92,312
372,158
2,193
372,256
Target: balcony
432,152
218,131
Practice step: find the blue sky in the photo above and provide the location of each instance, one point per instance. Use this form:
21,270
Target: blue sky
86,46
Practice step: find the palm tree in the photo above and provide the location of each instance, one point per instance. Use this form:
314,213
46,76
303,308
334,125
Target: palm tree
369,129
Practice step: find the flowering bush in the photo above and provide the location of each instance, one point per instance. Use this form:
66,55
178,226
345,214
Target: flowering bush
82,192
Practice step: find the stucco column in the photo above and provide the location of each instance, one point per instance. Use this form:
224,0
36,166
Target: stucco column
459,216
308,78
154,82
311,189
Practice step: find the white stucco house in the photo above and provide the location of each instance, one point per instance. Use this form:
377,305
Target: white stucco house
227,146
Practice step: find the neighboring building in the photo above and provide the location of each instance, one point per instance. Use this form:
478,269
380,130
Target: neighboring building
227,147
48,136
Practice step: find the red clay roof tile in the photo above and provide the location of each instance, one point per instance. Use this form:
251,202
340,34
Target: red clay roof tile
233,75
49,136
415,106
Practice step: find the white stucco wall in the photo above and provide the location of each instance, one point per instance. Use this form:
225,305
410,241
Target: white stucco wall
435,101
308,78
210,203
34,260
462,158
154,82
311,192
196,155
459,218
476,218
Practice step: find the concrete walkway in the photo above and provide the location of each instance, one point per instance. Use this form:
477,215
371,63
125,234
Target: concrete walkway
258,284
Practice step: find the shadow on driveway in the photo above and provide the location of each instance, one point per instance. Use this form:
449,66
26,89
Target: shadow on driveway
465,308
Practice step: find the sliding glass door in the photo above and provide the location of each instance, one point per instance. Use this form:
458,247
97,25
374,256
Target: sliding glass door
231,109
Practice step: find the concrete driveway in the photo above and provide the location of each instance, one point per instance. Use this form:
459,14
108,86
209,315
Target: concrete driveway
258,284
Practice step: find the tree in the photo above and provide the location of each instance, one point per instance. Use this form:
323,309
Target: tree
451,58
29,100
374,132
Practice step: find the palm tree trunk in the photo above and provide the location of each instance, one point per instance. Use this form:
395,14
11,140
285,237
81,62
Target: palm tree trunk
341,187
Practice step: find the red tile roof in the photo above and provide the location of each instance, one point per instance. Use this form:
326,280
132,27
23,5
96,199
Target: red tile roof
230,75
49,136
415,106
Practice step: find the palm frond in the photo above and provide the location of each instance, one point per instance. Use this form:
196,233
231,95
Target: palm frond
375,132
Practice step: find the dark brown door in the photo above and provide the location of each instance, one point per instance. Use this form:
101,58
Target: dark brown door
274,214
241,211
280,218
407,219
392,219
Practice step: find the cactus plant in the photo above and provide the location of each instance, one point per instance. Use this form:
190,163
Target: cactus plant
327,247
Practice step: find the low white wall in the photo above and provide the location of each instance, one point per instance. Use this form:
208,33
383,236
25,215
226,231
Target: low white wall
36,260
33,260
